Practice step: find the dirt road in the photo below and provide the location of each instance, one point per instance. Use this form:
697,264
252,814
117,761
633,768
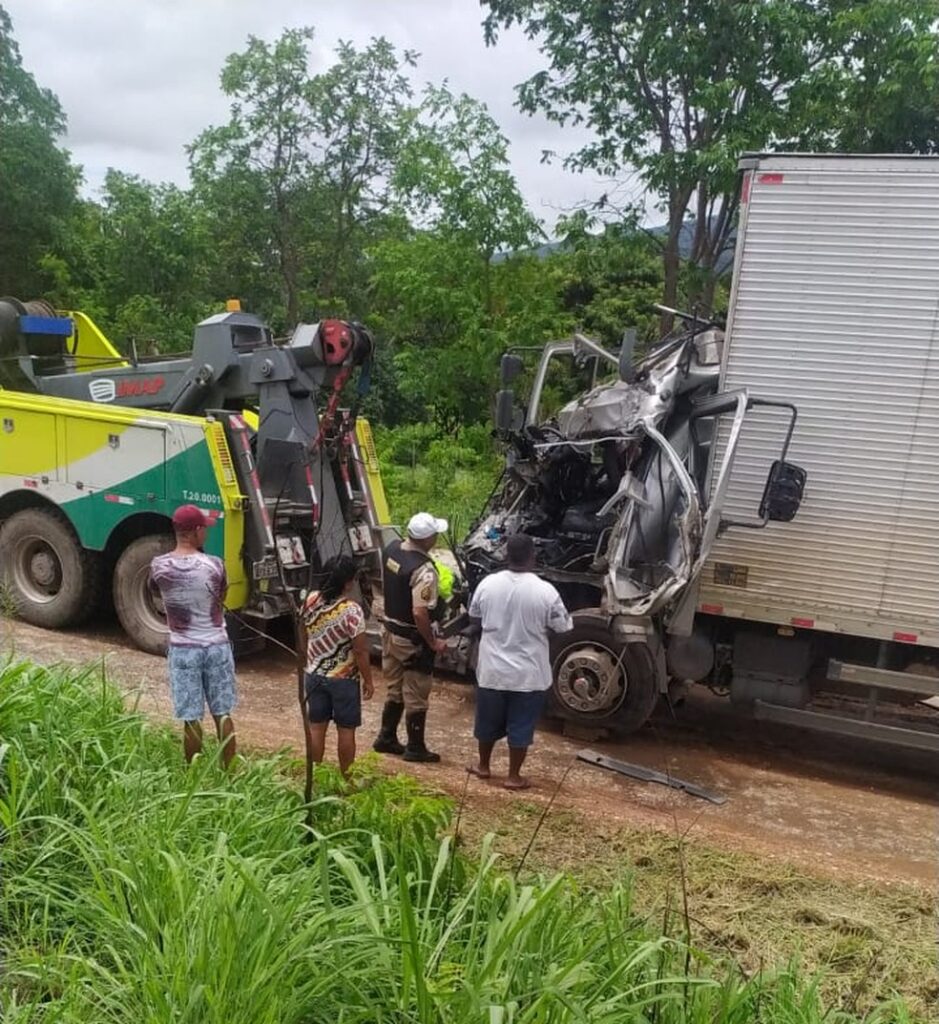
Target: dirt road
852,812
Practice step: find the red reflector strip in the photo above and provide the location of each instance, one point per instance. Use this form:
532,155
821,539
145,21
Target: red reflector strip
712,609
803,623
770,179
745,189
119,499
906,638
30,483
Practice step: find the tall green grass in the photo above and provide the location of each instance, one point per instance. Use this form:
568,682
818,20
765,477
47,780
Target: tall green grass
135,890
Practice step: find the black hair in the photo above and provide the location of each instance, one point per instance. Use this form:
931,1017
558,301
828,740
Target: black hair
338,571
520,549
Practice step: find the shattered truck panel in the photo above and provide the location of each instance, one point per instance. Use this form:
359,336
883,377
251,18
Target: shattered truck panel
611,487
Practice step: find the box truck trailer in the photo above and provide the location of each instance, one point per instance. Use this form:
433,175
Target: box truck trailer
663,500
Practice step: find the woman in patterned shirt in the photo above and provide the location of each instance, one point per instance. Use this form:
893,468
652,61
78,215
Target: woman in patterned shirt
338,670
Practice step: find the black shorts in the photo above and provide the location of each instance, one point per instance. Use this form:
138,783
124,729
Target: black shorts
510,713
330,699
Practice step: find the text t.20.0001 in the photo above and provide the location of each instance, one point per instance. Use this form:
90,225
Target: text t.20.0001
202,498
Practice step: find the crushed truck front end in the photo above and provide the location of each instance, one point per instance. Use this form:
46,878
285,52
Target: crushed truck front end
613,490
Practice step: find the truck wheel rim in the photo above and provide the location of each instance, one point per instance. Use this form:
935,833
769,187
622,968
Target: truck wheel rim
590,679
37,570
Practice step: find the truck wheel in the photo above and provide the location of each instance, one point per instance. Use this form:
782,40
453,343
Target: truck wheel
599,681
49,579
136,602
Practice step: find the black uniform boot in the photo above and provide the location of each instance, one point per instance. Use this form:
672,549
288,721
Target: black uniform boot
416,749
386,742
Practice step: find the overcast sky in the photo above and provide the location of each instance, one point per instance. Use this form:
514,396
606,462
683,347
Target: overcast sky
139,78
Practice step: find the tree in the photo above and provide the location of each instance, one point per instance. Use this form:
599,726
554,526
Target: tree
678,89
440,294
454,173
38,183
152,257
138,261
879,92
448,318
300,170
611,278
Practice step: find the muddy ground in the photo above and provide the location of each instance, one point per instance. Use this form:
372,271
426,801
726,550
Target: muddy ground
848,811
824,852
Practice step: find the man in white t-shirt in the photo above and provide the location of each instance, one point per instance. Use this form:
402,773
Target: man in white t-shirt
517,612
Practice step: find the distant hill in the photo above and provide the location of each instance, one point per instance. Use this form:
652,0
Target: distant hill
724,263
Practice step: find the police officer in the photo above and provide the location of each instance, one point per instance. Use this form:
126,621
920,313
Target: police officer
410,590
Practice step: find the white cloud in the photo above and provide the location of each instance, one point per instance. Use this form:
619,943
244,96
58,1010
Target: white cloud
139,78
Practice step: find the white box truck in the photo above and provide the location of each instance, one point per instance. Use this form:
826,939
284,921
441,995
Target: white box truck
835,308
755,508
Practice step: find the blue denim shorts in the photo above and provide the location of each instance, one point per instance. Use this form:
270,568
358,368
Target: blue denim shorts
200,676
510,713
330,699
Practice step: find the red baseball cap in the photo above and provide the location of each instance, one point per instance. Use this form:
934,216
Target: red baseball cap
188,517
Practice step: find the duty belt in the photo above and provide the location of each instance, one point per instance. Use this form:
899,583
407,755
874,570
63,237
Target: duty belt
411,633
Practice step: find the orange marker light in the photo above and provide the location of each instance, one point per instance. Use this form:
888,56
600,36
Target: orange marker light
233,305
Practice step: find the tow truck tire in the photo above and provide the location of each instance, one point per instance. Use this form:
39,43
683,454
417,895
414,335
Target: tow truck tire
135,601
49,579
590,652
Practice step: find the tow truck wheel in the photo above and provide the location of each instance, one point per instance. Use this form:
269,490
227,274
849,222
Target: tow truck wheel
600,682
49,579
136,601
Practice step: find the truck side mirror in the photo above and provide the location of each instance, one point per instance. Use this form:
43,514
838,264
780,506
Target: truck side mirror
510,367
505,410
782,495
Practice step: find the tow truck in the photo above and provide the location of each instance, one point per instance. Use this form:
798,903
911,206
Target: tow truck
97,449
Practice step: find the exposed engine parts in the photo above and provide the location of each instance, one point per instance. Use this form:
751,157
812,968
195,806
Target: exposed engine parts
609,486
621,490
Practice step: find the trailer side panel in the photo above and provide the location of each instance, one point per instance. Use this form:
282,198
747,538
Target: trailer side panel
836,309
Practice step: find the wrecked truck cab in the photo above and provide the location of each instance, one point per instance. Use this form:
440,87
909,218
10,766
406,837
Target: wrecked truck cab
612,489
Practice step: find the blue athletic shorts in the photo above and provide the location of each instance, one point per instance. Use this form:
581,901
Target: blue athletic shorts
509,713
200,676
330,699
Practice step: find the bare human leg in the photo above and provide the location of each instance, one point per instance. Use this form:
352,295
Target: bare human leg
225,730
318,740
345,742
192,740
481,769
515,779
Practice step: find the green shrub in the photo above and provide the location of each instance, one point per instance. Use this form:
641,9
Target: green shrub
136,889
450,476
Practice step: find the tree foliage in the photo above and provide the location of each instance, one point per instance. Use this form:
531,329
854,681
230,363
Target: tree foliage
300,169
678,89
38,183
453,174
440,298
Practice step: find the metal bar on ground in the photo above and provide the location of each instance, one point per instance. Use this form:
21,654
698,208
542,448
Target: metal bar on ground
643,774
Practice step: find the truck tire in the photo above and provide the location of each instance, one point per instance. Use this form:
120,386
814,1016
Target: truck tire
136,602
49,579
598,681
